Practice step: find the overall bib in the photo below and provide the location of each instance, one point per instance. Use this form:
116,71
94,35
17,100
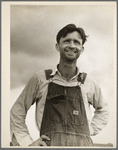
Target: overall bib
64,119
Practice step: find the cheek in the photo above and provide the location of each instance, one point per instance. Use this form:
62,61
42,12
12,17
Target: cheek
78,54
61,47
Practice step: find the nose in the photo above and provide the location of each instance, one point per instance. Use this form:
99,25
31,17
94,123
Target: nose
72,45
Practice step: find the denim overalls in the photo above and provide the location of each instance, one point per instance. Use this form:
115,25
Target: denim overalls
64,119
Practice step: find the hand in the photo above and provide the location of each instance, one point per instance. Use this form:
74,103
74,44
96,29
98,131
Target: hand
40,142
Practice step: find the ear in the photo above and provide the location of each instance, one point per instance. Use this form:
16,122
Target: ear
57,47
82,50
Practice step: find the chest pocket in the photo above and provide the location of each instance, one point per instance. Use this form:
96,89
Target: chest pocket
56,108
62,107
66,108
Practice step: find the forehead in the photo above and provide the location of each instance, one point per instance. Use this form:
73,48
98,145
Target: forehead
73,35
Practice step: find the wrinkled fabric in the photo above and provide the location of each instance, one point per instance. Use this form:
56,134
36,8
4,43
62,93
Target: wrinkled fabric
64,112
36,91
64,139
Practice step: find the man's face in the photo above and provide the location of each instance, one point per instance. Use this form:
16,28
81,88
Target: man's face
70,47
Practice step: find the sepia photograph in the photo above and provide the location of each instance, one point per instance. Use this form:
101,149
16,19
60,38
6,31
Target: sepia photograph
59,75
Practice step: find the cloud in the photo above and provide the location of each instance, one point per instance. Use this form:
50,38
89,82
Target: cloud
34,28
24,66
33,33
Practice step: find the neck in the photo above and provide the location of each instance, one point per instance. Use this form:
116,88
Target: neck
67,70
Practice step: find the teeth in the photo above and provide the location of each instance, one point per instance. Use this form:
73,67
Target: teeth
70,50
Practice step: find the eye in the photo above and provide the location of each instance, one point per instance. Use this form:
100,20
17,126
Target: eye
77,42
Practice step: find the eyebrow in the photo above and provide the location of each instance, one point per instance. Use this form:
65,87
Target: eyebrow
67,40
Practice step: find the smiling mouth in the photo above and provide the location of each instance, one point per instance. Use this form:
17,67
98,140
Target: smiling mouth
71,51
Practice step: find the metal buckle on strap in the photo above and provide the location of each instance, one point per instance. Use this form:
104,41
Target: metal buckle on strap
50,79
79,84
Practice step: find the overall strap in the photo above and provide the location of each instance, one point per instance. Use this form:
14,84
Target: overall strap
82,77
47,73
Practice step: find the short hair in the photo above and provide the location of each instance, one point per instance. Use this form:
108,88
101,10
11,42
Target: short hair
69,29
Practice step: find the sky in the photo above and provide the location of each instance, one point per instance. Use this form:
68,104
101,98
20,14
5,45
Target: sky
33,30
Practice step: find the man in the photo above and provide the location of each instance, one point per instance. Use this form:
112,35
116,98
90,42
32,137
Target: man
63,98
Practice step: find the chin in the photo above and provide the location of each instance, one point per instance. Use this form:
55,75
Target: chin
71,59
